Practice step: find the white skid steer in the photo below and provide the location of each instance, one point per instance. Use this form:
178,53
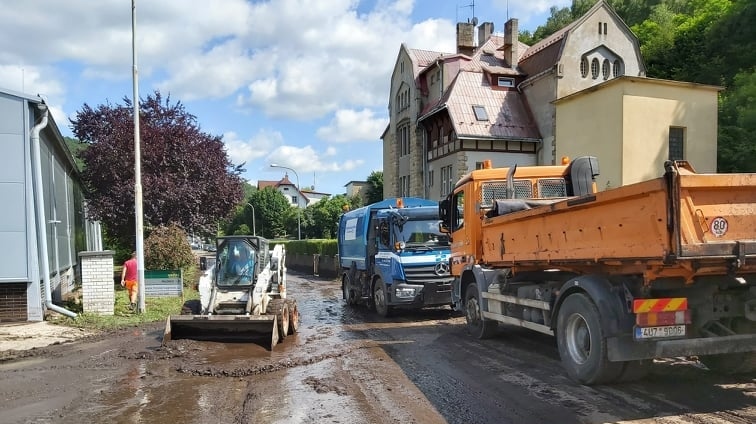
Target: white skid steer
242,296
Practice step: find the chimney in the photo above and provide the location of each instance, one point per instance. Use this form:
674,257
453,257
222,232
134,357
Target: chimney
484,32
465,38
511,42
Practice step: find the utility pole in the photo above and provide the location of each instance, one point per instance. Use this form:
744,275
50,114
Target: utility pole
137,167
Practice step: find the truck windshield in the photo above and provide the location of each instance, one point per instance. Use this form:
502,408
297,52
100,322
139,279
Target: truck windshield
423,233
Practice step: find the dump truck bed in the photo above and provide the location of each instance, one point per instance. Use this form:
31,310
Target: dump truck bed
679,225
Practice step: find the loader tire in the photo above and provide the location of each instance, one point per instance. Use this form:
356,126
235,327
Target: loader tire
477,326
582,344
191,307
280,309
293,316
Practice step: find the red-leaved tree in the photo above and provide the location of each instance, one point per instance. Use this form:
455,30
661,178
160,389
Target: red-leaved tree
187,177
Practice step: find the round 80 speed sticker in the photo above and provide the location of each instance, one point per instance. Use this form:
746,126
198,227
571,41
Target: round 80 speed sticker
718,226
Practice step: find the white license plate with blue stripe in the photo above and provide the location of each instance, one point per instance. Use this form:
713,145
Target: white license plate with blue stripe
659,332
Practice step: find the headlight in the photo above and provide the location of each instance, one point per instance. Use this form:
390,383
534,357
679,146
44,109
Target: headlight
404,292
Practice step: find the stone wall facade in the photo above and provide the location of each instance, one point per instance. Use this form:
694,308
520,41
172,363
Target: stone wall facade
98,291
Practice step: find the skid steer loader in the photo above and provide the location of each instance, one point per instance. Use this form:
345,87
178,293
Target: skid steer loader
242,296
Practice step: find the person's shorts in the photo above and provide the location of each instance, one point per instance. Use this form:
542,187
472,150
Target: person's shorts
132,286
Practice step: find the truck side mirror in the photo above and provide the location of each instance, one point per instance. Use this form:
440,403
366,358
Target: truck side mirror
443,214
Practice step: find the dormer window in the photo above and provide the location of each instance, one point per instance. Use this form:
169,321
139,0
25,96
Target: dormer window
480,113
505,82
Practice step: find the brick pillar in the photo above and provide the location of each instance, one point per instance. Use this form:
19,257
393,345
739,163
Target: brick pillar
97,284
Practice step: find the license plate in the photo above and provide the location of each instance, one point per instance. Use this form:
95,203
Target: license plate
659,332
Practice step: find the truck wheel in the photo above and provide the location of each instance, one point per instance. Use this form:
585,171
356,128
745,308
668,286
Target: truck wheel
477,326
379,299
280,309
191,307
581,342
347,293
293,316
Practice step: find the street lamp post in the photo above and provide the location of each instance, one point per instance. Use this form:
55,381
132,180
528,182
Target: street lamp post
254,227
299,221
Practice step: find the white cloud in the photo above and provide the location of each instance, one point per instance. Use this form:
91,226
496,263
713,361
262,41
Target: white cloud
246,151
351,125
307,159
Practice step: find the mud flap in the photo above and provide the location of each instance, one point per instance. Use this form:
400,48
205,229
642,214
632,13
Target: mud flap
224,328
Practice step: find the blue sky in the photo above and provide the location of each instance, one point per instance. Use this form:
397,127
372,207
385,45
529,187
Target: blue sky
298,83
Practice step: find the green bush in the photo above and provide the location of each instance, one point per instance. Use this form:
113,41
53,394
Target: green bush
167,248
325,247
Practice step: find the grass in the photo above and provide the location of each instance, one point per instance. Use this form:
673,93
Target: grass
156,309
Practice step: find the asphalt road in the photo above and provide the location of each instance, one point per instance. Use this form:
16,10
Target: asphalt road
347,365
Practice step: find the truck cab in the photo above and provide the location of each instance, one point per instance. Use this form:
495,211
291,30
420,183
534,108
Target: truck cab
393,255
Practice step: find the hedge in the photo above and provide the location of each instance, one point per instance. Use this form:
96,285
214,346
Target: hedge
325,247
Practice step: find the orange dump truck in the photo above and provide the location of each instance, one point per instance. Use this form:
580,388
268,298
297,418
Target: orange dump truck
661,268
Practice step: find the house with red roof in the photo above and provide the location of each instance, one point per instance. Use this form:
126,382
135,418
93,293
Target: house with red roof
499,99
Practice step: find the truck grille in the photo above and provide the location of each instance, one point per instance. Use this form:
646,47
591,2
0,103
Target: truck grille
427,274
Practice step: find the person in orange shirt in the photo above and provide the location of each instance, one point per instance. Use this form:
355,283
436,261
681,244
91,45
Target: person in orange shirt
129,279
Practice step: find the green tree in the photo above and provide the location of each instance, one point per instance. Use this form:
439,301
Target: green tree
325,216
375,187
737,129
75,147
271,208
166,247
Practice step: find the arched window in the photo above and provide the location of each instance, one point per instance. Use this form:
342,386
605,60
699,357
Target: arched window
617,68
584,67
605,68
594,68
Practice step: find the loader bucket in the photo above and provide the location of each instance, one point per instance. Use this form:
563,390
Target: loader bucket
226,328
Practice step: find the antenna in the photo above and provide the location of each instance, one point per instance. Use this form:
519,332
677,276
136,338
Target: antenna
472,7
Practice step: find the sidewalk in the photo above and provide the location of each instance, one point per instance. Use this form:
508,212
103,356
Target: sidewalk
28,335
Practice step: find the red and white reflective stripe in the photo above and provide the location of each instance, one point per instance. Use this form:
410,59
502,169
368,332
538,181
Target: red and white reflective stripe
660,305
653,319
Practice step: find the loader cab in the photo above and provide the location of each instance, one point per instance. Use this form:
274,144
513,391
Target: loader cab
237,261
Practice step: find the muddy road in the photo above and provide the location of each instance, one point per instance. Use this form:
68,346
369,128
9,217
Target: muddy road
349,366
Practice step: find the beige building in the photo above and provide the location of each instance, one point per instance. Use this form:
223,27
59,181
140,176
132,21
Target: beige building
633,125
499,99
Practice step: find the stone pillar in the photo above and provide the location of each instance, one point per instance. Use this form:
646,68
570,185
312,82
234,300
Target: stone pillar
97,284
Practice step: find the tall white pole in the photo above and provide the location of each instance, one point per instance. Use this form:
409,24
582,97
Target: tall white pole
137,166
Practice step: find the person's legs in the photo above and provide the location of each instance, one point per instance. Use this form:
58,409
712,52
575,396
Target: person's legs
132,288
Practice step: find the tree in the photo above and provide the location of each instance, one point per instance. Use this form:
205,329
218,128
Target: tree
187,177
271,207
166,248
325,216
737,130
375,187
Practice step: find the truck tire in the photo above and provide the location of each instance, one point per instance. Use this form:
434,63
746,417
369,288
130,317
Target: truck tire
280,309
347,293
478,326
191,307
582,344
379,299
293,316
